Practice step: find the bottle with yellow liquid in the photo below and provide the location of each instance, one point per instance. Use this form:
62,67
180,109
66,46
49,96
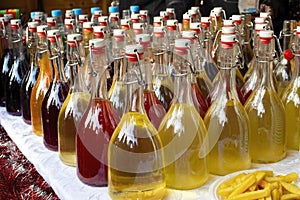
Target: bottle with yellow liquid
75,104
285,66
135,154
265,109
116,93
182,131
162,82
227,122
290,99
42,83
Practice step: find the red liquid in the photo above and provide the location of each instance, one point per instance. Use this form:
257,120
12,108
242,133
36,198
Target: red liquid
25,93
154,108
51,106
199,100
6,61
16,74
93,134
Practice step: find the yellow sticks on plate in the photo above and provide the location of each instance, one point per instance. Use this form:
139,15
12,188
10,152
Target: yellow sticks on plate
261,185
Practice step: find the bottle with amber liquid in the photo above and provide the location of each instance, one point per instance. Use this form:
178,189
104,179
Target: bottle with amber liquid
153,107
56,94
284,68
75,104
116,93
182,132
97,124
42,83
17,70
32,74
226,120
265,109
290,98
136,140
162,82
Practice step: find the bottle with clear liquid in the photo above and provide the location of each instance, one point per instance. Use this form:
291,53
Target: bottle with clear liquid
207,40
97,124
182,132
116,93
265,109
75,104
6,58
56,94
137,140
32,74
17,70
42,83
162,82
290,99
153,107
226,120
283,70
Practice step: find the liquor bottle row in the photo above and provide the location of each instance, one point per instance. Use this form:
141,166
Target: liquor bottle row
141,107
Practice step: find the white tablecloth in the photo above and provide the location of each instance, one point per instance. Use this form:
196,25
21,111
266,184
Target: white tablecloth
65,183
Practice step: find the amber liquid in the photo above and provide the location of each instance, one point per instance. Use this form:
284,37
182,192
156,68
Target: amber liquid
290,101
94,132
70,113
154,108
198,100
182,132
267,125
25,93
15,77
128,179
231,151
51,106
116,95
38,93
164,90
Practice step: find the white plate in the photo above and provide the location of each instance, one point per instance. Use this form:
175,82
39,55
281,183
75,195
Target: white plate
214,186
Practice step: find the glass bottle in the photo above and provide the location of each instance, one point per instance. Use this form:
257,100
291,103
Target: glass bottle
87,33
77,12
56,94
95,12
42,83
126,24
51,23
153,107
135,139
217,14
69,14
100,32
182,132
290,99
17,70
2,44
69,26
186,21
162,82
113,18
157,21
97,124
207,36
32,74
226,120
6,58
171,13
283,70
75,104
116,93
265,109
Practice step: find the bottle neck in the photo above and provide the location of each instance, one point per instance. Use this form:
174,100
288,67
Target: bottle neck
56,62
134,101
182,89
296,73
17,44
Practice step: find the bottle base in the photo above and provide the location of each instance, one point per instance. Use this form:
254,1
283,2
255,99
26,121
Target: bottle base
68,159
51,147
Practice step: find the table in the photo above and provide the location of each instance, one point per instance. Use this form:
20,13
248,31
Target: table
67,186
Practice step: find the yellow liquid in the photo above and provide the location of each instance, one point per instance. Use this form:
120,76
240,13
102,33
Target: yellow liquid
135,160
267,123
291,103
182,131
69,115
231,151
38,93
116,95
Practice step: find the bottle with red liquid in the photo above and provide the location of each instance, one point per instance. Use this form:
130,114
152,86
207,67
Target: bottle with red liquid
32,74
56,93
17,71
153,107
97,124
